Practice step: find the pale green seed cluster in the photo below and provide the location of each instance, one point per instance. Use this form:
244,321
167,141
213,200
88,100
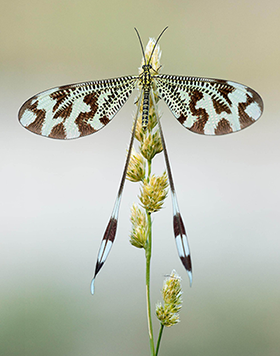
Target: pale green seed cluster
137,167
151,146
168,314
153,193
139,232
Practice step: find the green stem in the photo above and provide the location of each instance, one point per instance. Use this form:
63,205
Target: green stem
149,170
159,338
148,261
148,265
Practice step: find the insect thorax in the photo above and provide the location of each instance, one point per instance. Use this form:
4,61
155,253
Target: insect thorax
145,76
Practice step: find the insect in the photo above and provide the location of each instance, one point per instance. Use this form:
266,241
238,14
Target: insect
204,106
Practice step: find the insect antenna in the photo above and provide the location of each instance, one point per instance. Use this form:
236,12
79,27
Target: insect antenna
141,44
156,43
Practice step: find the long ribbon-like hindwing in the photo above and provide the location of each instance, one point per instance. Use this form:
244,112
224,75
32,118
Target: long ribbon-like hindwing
178,225
111,230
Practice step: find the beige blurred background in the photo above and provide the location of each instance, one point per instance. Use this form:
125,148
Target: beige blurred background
56,197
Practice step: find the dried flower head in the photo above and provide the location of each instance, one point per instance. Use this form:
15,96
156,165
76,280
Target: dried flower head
139,133
172,298
136,167
139,233
153,193
151,145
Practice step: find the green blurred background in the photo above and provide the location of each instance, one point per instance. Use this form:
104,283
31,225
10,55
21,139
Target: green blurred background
56,197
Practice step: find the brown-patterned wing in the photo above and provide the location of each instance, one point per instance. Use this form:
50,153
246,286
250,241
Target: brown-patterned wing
209,106
76,110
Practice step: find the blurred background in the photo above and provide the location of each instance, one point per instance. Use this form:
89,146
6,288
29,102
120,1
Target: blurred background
57,196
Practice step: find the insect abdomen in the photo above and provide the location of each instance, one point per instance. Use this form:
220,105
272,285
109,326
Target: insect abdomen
146,105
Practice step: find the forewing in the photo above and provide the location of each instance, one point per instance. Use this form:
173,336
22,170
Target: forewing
76,110
209,106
